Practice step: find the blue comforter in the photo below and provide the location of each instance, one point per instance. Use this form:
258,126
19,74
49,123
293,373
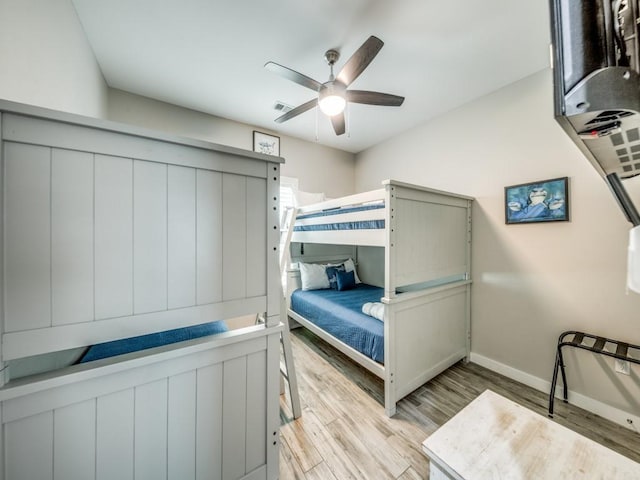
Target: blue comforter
142,342
340,314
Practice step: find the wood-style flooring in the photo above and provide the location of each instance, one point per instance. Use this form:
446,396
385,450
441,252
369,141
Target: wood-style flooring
344,434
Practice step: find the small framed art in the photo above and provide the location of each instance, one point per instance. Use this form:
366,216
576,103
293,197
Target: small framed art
265,143
535,202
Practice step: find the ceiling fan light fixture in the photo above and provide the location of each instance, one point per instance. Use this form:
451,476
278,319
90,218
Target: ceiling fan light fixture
332,99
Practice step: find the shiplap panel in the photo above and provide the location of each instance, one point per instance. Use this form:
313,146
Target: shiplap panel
234,418
114,438
28,447
151,431
256,266
234,240
182,237
209,237
209,426
75,441
27,237
113,237
431,241
181,461
149,237
256,454
71,237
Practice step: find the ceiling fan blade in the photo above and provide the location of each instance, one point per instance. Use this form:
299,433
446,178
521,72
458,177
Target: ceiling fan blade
297,111
338,123
374,98
360,60
294,76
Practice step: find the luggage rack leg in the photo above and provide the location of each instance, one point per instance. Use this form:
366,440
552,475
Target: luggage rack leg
559,365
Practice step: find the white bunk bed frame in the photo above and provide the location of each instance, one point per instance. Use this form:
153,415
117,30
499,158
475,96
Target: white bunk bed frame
111,231
427,241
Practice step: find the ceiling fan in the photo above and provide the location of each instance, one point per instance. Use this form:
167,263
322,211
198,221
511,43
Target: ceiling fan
333,94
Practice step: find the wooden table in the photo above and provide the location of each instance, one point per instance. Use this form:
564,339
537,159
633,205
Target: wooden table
495,438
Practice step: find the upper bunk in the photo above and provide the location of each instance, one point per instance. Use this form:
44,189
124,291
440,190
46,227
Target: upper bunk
112,231
426,233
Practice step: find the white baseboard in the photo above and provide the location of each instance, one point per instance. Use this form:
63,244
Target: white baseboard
606,411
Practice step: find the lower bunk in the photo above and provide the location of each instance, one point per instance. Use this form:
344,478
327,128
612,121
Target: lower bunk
200,408
417,335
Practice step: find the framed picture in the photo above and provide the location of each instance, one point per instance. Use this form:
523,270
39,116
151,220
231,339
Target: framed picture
264,143
535,202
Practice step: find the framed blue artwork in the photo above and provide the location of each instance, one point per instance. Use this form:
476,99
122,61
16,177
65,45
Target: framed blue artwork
535,202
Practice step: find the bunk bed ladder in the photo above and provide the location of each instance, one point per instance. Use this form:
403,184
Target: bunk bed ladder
287,370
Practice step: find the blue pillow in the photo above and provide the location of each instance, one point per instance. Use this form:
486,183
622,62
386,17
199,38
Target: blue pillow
345,280
331,275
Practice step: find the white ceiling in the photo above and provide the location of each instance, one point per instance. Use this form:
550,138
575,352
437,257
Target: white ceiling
208,55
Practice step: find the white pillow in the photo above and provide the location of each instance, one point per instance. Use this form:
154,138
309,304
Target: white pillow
301,199
313,276
349,266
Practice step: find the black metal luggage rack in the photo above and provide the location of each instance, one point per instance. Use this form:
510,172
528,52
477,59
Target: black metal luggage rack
622,350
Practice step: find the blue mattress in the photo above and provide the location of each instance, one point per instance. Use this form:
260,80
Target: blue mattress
339,313
142,342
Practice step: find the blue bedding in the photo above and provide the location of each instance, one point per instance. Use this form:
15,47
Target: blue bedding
142,342
354,225
339,313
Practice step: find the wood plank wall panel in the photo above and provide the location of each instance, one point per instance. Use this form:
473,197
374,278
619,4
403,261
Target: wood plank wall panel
151,431
181,237
181,436
256,265
72,286
256,426
209,412
94,237
27,237
439,231
170,427
75,441
234,418
113,237
149,237
234,240
209,236
29,447
114,436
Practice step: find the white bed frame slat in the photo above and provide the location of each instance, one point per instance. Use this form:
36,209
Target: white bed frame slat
71,237
111,231
181,239
149,237
113,220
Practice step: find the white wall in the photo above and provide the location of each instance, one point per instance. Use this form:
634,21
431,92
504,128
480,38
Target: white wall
531,282
46,59
318,168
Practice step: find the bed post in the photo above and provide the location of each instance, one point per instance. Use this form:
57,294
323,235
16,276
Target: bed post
468,275
272,319
390,396
3,373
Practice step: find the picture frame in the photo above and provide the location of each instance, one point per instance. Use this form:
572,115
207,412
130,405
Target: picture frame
537,202
265,143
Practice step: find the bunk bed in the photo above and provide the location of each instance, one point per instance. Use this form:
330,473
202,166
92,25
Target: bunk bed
412,247
111,232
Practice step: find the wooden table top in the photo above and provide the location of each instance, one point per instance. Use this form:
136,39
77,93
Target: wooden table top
495,438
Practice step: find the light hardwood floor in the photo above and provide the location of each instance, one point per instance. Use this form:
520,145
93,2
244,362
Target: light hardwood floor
344,434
